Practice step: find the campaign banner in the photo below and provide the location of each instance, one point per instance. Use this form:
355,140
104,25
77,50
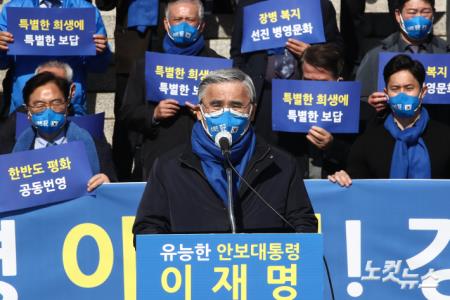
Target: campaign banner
74,250
437,78
269,24
227,266
83,249
51,31
43,176
94,124
170,76
299,104
385,239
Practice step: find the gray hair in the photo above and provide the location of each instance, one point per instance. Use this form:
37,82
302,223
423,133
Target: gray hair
227,75
59,65
201,10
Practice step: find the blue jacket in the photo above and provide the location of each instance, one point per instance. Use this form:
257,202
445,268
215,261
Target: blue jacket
74,133
24,66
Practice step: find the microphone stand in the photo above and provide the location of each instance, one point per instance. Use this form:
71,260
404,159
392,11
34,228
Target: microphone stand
229,173
223,140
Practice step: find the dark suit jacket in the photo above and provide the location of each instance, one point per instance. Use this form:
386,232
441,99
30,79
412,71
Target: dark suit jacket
371,154
137,114
7,133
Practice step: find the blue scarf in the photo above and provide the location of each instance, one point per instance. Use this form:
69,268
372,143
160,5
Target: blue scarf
410,158
212,159
142,14
193,49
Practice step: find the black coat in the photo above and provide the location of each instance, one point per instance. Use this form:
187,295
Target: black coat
105,160
371,154
137,114
179,199
7,133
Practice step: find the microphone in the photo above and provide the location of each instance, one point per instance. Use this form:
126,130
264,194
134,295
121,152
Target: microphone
223,140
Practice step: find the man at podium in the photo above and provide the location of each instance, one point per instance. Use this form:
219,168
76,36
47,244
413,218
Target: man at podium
187,191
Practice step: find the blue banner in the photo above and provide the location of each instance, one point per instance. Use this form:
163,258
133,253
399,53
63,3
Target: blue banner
269,24
226,266
43,176
83,249
299,104
437,79
51,31
94,124
75,250
170,76
386,239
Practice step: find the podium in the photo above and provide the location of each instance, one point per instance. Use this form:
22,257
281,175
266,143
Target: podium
229,266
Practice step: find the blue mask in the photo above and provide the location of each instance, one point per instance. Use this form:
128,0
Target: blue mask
229,120
183,33
48,121
417,28
403,105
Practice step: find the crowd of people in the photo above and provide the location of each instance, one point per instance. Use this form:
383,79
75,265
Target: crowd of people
399,136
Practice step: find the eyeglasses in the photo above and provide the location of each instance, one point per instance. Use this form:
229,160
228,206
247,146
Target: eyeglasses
217,107
57,105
